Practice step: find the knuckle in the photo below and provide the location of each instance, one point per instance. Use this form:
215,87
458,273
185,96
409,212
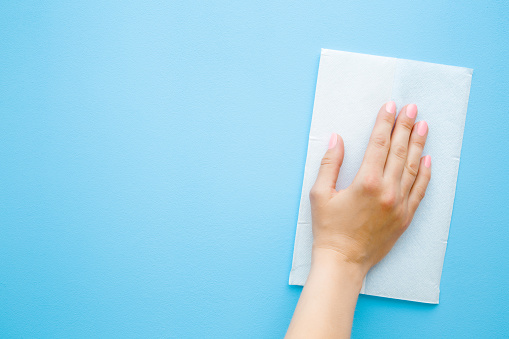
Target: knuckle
412,168
407,124
371,183
400,212
315,193
400,151
420,191
380,141
327,161
388,118
419,143
388,200
404,226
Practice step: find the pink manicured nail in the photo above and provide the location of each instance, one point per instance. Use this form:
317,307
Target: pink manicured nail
422,128
333,140
427,161
411,111
390,107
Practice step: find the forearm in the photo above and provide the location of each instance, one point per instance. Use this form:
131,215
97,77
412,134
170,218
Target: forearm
327,303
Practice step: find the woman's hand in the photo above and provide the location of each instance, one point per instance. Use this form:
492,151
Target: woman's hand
362,222
355,228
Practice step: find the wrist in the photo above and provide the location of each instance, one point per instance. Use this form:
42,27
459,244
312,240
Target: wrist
335,265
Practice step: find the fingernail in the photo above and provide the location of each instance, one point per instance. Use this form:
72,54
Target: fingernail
427,161
422,128
390,107
411,111
333,140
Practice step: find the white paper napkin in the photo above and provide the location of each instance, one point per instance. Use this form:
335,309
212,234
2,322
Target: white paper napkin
350,90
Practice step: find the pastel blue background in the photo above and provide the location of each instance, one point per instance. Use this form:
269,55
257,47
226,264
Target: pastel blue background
152,155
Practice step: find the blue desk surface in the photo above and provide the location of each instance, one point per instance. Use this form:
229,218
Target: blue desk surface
152,156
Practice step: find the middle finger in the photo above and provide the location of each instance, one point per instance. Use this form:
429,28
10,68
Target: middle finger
399,143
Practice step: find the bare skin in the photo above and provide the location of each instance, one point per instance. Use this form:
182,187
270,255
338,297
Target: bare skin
354,228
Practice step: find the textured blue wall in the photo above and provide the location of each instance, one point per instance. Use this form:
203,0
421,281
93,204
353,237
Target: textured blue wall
152,154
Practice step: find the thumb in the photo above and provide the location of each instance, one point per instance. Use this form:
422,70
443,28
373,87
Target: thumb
331,163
